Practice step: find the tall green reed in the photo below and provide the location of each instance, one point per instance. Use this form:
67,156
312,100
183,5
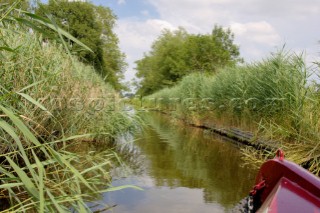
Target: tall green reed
274,97
47,101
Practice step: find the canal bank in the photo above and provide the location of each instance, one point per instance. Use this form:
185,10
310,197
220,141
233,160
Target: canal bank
246,138
273,98
180,169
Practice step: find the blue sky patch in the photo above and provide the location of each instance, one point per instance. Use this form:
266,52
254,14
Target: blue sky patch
140,9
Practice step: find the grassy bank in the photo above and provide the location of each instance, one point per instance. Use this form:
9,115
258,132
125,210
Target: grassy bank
273,98
49,99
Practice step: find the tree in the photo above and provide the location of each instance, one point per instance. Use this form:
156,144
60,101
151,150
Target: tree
176,54
23,4
114,59
164,64
93,26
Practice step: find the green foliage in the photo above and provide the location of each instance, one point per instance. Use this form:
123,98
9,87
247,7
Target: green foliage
93,26
263,90
49,99
21,4
266,89
176,54
273,97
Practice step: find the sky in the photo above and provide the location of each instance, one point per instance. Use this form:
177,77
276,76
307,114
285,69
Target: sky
260,26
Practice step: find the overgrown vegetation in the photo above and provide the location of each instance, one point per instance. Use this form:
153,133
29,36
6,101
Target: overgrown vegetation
93,26
49,99
274,98
176,54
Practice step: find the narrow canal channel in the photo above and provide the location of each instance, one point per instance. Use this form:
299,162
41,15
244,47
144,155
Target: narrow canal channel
181,169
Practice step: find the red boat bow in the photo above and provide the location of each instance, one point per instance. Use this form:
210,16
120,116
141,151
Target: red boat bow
283,186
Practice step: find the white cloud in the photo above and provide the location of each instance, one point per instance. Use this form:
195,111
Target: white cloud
260,26
196,16
121,2
136,37
269,21
260,32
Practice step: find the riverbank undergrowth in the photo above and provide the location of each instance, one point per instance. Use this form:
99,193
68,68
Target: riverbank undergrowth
275,98
48,99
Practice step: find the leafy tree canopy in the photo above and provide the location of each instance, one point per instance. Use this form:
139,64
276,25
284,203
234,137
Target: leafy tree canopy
22,4
175,54
93,26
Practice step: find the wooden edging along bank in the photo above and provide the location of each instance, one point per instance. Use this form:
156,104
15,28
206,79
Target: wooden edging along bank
235,134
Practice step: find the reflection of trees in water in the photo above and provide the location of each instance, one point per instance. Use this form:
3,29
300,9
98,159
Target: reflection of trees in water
180,156
130,155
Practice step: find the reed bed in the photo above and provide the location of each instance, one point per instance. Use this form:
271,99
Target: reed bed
276,98
48,100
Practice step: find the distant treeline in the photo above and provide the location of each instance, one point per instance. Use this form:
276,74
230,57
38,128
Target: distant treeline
179,53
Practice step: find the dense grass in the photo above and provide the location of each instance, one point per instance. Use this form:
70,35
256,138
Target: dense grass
274,98
75,96
49,99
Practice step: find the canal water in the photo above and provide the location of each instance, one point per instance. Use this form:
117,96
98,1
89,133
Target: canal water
180,169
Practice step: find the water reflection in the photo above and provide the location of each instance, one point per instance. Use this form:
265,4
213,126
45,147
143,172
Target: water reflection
182,169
